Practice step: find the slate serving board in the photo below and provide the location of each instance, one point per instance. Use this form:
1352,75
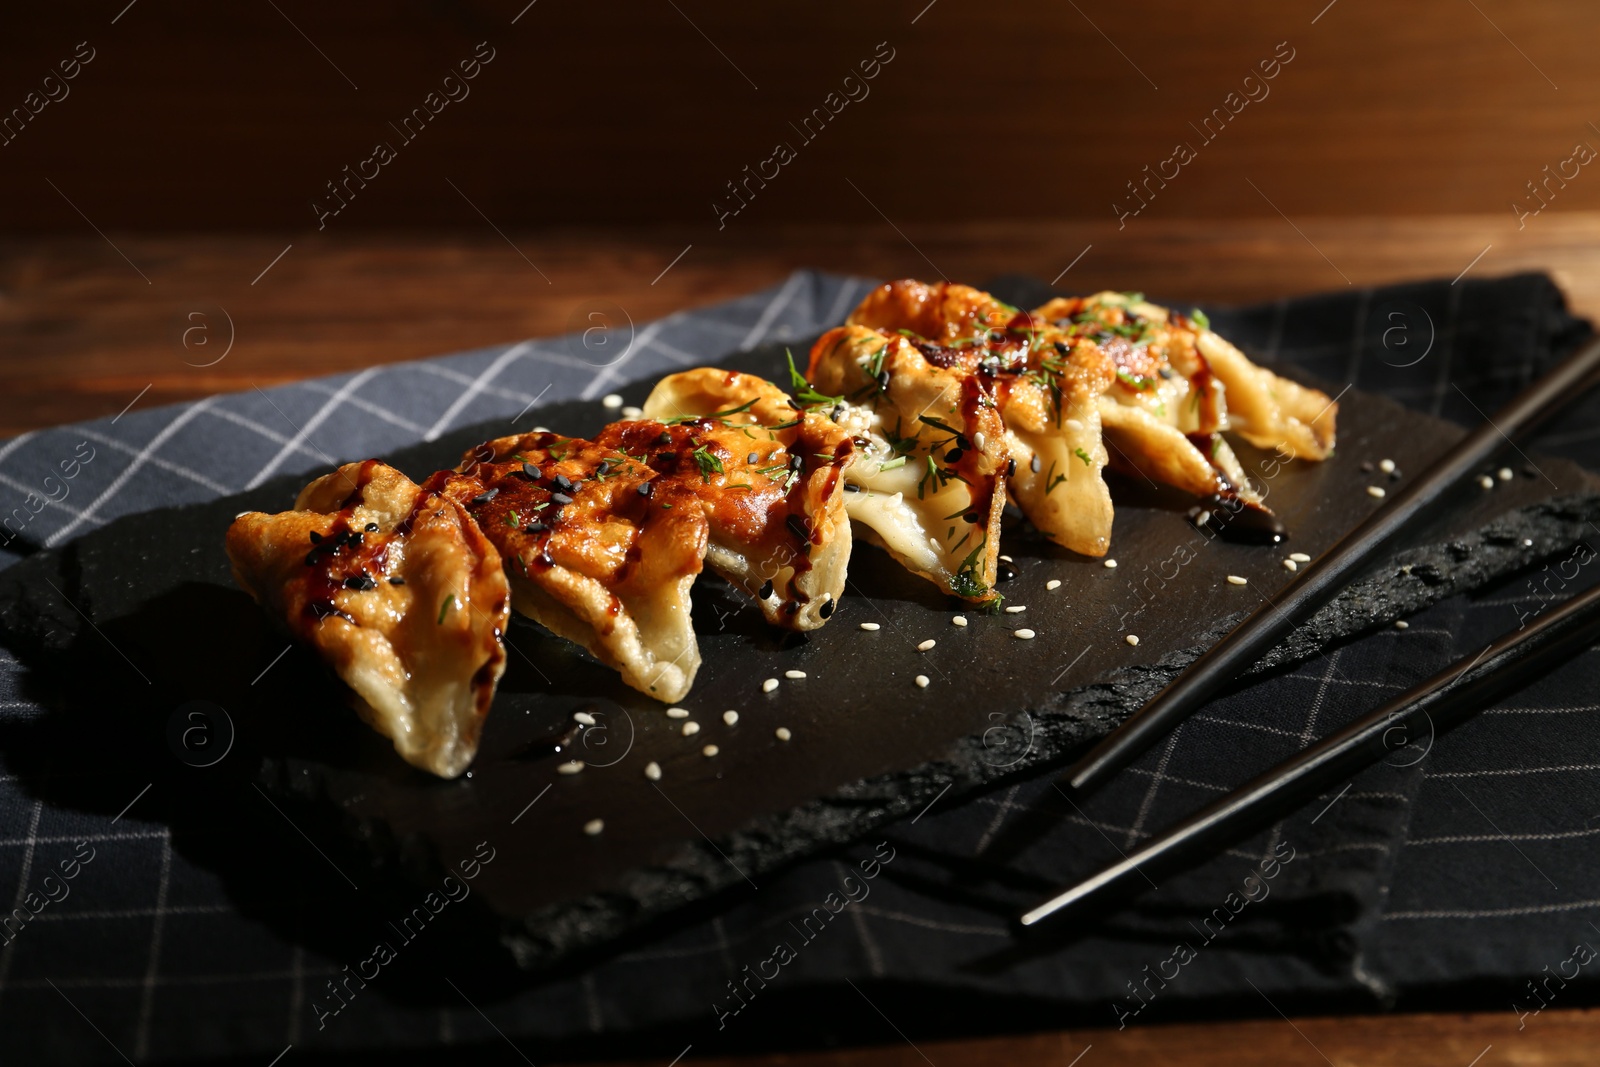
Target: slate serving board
868,745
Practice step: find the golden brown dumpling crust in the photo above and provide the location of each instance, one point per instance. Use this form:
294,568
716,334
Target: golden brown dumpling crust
394,585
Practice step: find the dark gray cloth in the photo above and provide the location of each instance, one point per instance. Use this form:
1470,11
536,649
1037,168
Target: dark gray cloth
1473,863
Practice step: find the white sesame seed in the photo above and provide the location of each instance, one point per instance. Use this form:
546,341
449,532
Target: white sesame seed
541,429
583,717
769,685
1406,569
1377,490
677,713
631,412
1486,481
922,681
1023,634
979,440
570,767
1008,559
1110,564
691,728
1132,639
782,733
929,643
1527,542
1074,425
794,674
730,717
1202,518
870,627
1504,474
594,826
1401,624
1386,466
652,771
709,751
1054,583
1290,565
1234,579
611,400
1300,557
1016,609
958,620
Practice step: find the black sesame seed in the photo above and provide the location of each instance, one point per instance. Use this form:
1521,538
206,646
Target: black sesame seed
563,483
1011,467
1035,464
359,582
796,461
883,380
827,607
751,458
397,581
838,412
316,538
665,438
561,498
647,489
953,456
372,527
311,558
531,471
535,528
481,498
1167,372
766,589
1395,475
852,487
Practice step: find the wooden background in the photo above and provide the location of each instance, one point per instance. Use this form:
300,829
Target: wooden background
207,116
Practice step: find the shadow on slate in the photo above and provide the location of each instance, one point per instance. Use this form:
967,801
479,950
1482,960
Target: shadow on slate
870,748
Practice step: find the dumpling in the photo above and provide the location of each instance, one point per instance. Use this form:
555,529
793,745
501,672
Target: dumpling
1046,388
599,548
929,484
767,475
395,586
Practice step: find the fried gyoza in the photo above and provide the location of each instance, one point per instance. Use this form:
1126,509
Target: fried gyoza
397,589
767,475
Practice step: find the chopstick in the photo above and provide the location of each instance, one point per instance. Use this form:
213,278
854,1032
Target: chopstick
1321,579
1449,697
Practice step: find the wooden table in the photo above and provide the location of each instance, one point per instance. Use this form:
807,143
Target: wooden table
88,323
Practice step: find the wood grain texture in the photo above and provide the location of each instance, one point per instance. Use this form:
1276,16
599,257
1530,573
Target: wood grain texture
1560,1039
81,332
233,116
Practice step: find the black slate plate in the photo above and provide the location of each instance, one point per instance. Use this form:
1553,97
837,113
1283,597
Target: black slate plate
868,744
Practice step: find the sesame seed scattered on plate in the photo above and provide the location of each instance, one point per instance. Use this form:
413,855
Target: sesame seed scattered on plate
958,620
929,643
1527,542
1110,564
1401,624
1377,490
1290,565
870,627
782,733
677,713
611,400
1386,466
569,767
1504,474
1486,481
1132,639
769,685
594,826
922,681
1234,579
709,751
652,771
1300,557
1016,609
730,717
632,412
691,728
794,674
583,717
1023,634
1054,583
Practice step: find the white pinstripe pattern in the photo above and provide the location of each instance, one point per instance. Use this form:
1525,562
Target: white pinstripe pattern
156,461
7,954
303,434
147,997
499,363
178,422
